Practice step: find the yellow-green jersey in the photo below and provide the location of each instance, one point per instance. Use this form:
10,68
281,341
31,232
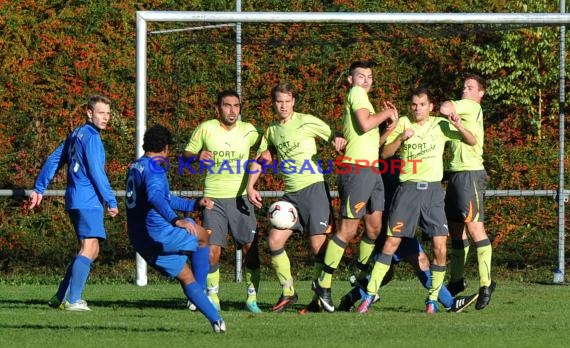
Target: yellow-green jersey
422,154
361,146
225,175
294,142
466,157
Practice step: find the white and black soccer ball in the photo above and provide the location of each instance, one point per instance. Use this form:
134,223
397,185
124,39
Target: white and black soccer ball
282,215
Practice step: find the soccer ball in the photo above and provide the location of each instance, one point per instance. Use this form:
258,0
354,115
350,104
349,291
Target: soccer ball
282,215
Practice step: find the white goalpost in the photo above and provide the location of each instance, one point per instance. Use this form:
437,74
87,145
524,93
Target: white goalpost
238,17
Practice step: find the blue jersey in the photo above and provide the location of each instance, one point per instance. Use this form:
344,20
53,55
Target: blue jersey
87,183
151,208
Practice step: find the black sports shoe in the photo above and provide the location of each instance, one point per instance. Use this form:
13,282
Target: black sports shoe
485,293
324,296
283,302
348,301
462,302
312,307
457,286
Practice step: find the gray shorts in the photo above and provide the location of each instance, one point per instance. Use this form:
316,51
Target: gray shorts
313,207
360,192
230,214
464,196
418,204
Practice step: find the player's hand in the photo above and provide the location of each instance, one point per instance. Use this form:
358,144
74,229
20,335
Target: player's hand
408,133
206,203
205,155
454,119
190,227
265,156
394,116
339,144
34,200
254,197
113,211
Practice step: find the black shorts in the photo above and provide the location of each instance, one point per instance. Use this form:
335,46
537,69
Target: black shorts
361,192
313,206
230,214
418,204
465,195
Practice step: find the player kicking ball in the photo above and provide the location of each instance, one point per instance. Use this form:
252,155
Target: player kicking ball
158,234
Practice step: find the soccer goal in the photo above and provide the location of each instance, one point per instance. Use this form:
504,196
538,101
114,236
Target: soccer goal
143,18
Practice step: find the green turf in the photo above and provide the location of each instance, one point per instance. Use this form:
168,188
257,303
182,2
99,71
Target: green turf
124,315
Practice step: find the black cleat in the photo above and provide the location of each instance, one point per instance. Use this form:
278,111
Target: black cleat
348,301
485,293
312,307
284,302
324,296
462,302
457,286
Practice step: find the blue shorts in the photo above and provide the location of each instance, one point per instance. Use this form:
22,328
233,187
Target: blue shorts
408,247
171,251
88,223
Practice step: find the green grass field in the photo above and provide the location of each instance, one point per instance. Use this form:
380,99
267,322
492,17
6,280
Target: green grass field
124,315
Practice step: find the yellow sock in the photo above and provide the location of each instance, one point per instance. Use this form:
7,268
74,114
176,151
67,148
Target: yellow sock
213,285
282,266
484,256
213,281
333,255
252,282
378,273
365,250
437,276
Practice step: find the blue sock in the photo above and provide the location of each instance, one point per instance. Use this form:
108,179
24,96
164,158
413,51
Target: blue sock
64,284
200,260
194,293
79,274
444,295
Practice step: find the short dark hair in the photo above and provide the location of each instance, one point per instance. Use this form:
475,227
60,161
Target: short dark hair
227,93
156,138
480,81
364,64
97,98
285,88
416,92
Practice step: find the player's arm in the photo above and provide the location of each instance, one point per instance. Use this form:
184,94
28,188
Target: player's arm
319,128
195,149
447,108
384,134
466,135
390,149
159,197
52,164
254,172
368,121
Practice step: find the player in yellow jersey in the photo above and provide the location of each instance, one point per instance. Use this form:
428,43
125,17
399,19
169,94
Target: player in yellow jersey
419,199
292,139
360,186
222,146
466,186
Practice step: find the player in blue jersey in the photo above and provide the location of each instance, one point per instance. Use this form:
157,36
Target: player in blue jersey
158,234
88,191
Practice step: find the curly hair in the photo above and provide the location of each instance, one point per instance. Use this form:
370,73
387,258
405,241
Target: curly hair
156,138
